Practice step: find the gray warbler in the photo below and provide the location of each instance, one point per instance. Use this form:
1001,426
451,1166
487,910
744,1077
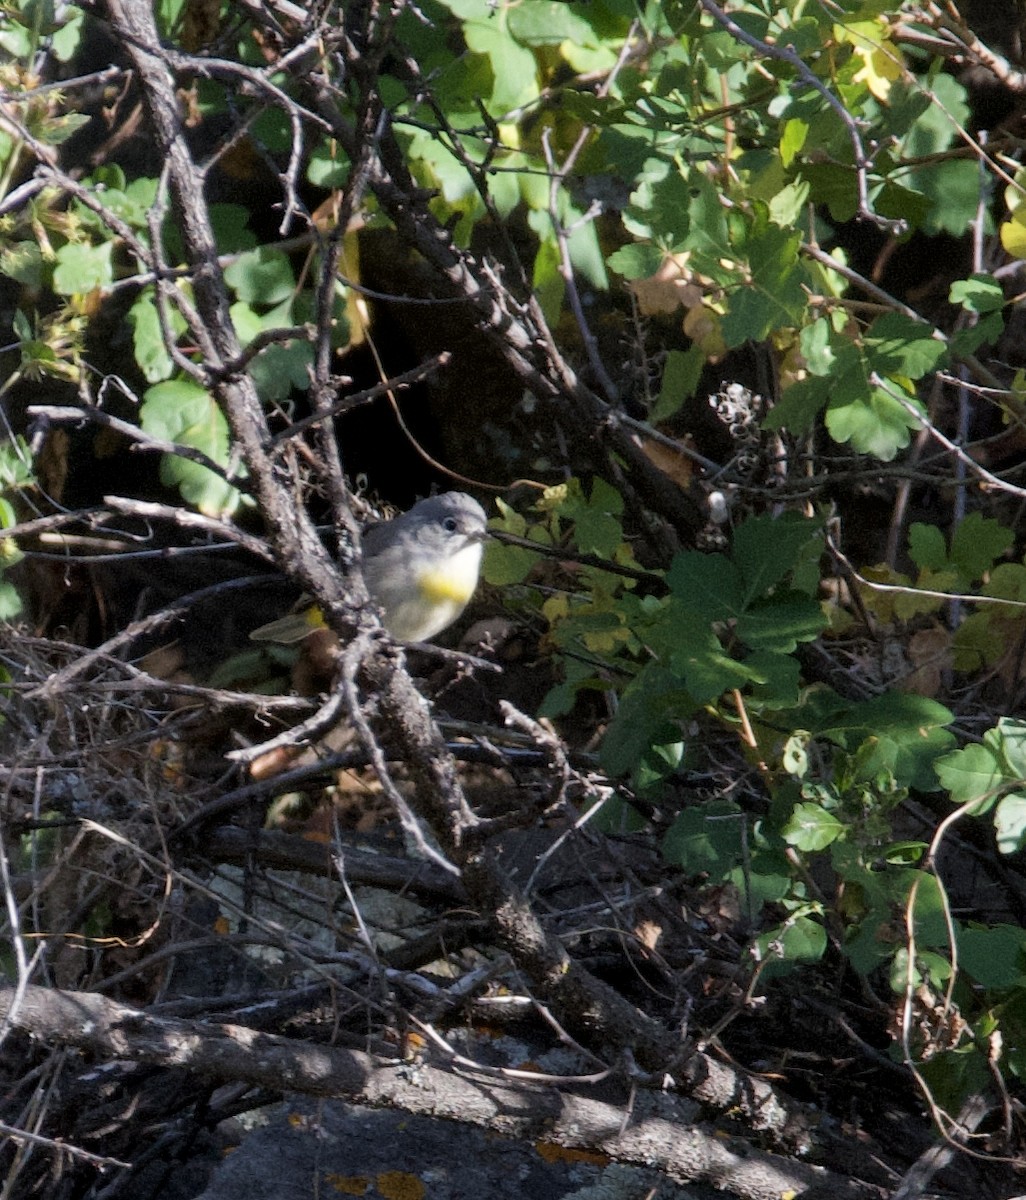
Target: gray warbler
421,569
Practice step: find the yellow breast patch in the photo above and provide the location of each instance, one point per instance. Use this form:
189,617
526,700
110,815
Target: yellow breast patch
440,586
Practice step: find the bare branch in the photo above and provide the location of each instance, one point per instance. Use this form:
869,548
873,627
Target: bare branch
61,414
662,1133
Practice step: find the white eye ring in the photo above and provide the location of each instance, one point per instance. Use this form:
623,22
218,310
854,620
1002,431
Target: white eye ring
450,524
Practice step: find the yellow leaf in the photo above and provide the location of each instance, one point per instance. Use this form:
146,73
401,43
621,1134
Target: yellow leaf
882,63
881,603
555,608
1015,193
554,496
1013,234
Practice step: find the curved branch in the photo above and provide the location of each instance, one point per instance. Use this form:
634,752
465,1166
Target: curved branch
788,55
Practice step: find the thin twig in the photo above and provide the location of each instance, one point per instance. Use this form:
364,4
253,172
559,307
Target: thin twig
974,467
66,415
173,612
306,732
396,383
59,1147
352,657
790,56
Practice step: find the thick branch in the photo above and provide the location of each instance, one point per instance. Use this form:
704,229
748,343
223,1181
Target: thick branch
657,1132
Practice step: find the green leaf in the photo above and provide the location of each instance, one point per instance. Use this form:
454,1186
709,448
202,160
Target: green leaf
81,268
706,224
974,645
66,40
765,549
707,669
585,250
1010,735
820,347
978,542
936,123
907,730
11,606
15,472
150,352
659,209
22,326
792,139
637,260
904,854
953,1076
22,261
795,756
773,298
514,71
597,525
272,130
658,762
776,678
1007,582
650,712
978,294
870,416
798,941
951,193
231,228
930,910
545,22
262,276
898,345
902,203
182,412
926,547
15,39
59,129
681,374
1010,822
812,828
900,711
788,204
547,280
831,184
281,367
873,421
709,585
798,407
706,838
131,201
994,956
968,340
973,775
328,167
505,565
781,622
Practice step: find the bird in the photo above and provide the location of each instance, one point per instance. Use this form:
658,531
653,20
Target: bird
421,569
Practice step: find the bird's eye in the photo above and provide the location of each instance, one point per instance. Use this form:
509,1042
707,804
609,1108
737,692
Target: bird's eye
450,524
